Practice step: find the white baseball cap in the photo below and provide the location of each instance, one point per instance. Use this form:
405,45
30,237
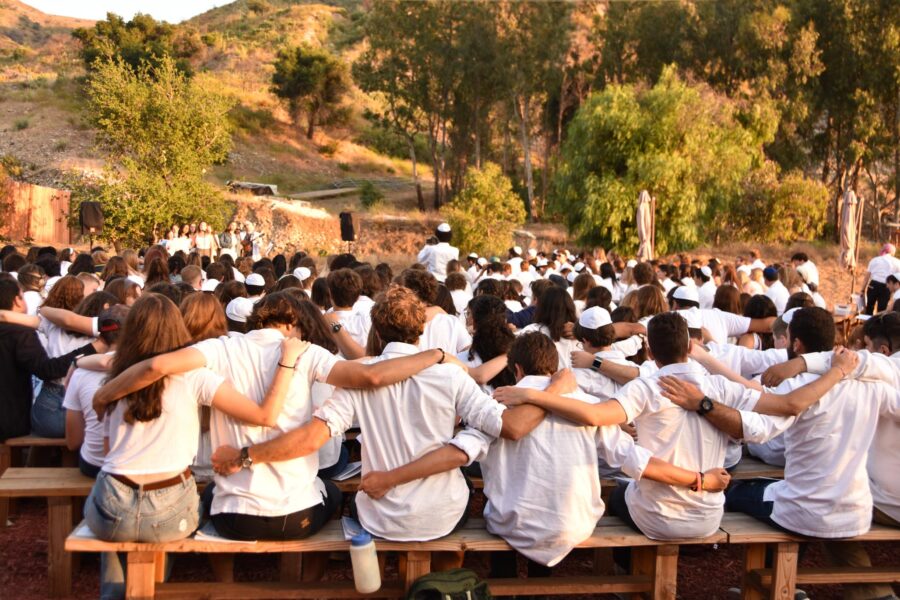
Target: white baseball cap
686,293
255,279
444,228
706,271
594,318
302,273
209,285
239,309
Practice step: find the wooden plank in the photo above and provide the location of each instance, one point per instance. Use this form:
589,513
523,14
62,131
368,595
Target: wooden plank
275,590
837,575
59,562
140,580
752,468
744,529
754,558
564,586
29,441
784,580
665,580
291,567
418,563
159,563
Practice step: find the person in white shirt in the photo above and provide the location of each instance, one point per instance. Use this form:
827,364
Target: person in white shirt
32,277
775,290
555,308
491,338
706,286
807,268
719,324
660,512
893,285
283,500
514,259
877,294
435,257
456,284
145,491
84,432
402,422
829,499
252,241
441,330
596,333
345,286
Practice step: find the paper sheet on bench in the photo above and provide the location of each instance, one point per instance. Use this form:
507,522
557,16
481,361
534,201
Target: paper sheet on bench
83,531
352,470
352,528
208,533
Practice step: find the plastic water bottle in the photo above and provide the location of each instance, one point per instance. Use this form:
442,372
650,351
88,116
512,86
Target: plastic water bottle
366,574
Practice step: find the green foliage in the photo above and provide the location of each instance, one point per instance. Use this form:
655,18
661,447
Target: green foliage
162,132
311,81
679,141
21,124
369,195
487,211
251,120
140,40
11,166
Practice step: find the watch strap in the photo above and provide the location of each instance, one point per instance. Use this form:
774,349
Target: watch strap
596,363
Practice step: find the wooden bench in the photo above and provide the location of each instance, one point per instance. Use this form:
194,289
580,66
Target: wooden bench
654,564
12,455
783,577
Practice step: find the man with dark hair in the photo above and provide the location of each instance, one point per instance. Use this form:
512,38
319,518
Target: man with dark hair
345,287
644,274
343,261
436,256
806,268
21,357
775,290
719,324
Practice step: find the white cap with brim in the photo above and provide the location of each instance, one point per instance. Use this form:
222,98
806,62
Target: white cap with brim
209,285
688,294
302,273
594,318
444,228
255,279
239,309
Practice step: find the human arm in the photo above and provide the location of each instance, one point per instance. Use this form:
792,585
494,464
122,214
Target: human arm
31,356
717,367
522,318
17,318
796,401
345,342
625,330
603,413
378,483
96,362
68,320
521,420
713,480
349,374
74,429
618,372
484,372
302,441
763,325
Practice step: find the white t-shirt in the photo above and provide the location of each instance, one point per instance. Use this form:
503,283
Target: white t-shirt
403,422
683,438
825,492
445,332
779,295
249,363
33,301
57,341
722,325
597,384
881,266
167,444
461,300
357,324
564,346
543,491
707,294
436,257
79,397
809,272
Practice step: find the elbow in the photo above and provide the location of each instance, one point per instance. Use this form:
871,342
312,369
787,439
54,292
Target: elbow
513,432
372,377
793,410
157,365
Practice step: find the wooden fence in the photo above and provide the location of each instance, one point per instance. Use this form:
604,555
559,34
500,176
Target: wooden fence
35,212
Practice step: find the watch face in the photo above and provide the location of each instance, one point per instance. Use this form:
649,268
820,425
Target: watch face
706,405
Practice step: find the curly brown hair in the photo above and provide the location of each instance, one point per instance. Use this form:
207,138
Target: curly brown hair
66,293
399,316
422,283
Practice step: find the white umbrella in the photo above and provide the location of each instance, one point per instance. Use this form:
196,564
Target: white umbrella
645,226
848,230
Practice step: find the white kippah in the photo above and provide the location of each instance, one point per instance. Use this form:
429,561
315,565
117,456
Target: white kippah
473,255
517,250
482,261
594,318
706,271
631,263
239,309
302,273
788,316
255,279
579,267
444,228
571,277
532,252
686,293
209,285
896,276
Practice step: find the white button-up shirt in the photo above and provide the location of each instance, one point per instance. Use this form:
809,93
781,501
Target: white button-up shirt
722,325
779,295
881,266
249,362
404,421
543,491
683,438
564,346
745,361
436,257
597,384
825,492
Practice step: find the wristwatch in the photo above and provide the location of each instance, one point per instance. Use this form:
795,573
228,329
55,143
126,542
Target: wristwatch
596,364
246,461
706,405
336,327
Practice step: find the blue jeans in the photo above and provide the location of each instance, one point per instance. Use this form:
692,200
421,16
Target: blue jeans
116,512
336,468
746,496
48,417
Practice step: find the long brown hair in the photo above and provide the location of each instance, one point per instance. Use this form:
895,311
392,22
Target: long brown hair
154,326
115,267
66,293
204,317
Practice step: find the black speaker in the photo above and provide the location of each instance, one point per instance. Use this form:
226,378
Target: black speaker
348,234
91,217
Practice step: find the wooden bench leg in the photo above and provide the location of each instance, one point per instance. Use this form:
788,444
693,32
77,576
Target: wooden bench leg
642,563
222,567
59,561
665,577
160,563
291,567
754,558
414,563
140,580
603,561
784,575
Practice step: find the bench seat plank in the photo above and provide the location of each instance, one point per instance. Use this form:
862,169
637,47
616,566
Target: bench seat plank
276,590
553,586
836,575
33,441
744,529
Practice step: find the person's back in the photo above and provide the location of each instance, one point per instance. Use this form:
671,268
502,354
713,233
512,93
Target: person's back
446,332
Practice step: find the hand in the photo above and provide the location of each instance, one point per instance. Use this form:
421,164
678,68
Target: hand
100,402
568,331
698,351
376,484
774,375
716,480
511,395
582,359
449,359
630,429
684,394
563,382
292,349
69,375
845,360
226,460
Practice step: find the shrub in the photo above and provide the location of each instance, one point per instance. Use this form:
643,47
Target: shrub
369,195
22,124
486,212
343,166
327,149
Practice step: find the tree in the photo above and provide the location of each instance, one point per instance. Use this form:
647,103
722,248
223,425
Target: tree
311,81
161,132
486,212
140,40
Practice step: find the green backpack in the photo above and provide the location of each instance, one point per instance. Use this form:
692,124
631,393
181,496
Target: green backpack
455,584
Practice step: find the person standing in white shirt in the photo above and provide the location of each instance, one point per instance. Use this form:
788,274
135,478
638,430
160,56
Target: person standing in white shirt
807,268
706,286
345,286
775,290
877,294
435,257
514,259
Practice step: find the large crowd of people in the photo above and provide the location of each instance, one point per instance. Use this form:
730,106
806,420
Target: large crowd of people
542,372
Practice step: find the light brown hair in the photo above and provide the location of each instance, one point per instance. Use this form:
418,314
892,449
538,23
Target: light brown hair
204,317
